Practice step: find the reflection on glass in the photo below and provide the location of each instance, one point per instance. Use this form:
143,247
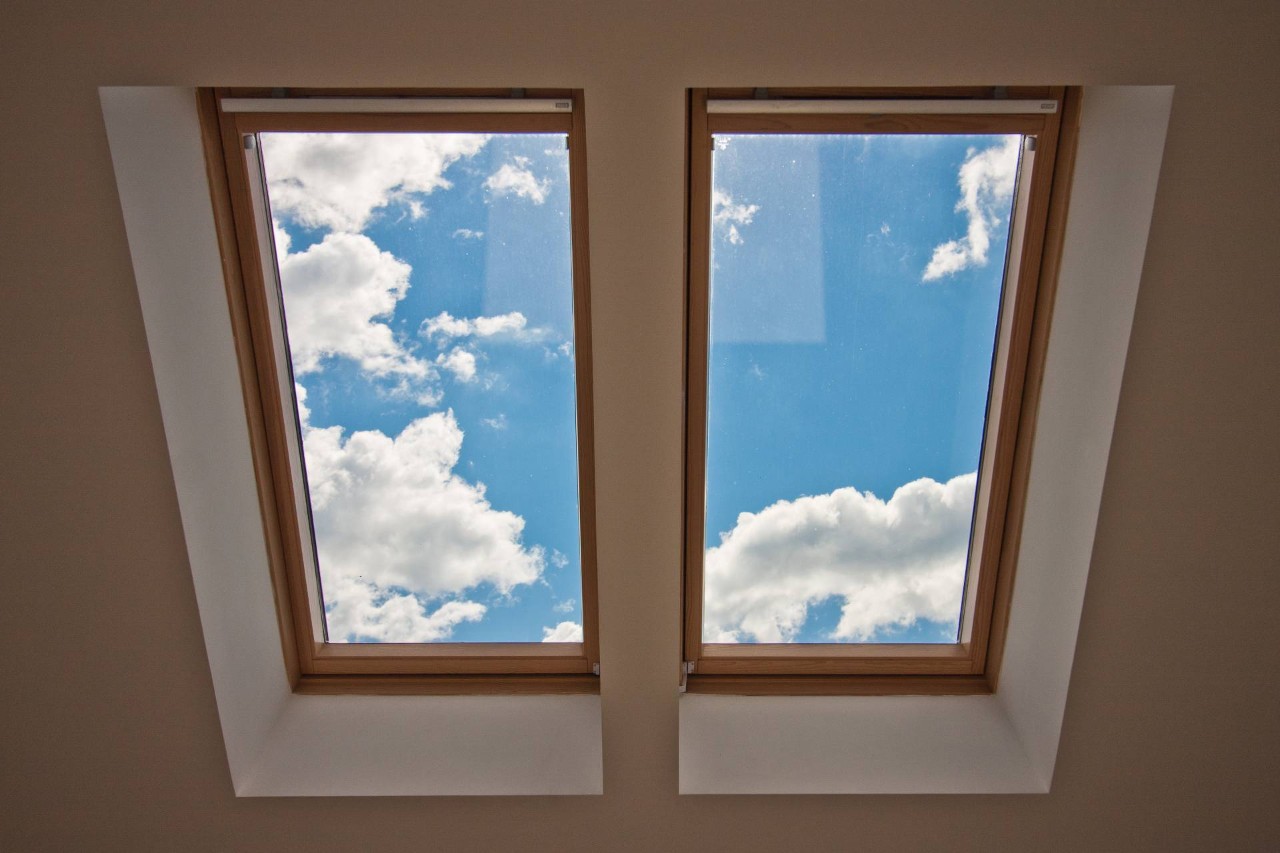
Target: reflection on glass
427,291
855,291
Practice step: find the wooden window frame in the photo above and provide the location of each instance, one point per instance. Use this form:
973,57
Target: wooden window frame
311,664
972,665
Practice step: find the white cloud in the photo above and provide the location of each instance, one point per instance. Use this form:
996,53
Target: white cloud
336,293
513,326
362,612
391,513
468,234
459,362
892,562
337,180
565,632
518,180
499,423
986,181
727,215
566,606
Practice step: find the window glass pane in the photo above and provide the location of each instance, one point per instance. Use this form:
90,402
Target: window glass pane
855,290
427,290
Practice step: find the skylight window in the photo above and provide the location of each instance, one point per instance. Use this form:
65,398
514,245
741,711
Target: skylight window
863,283
414,299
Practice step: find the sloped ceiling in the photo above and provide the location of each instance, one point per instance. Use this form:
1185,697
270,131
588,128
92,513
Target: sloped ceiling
111,739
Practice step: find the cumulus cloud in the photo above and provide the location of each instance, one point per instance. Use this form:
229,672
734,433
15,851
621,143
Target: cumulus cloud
566,606
565,632
468,234
727,215
986,182
391,514
459,362
892,562
337,180
512,326
516,179
361,612
336,293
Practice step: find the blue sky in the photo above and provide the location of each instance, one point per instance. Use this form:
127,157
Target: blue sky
428,293
855,290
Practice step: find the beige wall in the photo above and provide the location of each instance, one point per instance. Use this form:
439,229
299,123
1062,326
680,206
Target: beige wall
110,735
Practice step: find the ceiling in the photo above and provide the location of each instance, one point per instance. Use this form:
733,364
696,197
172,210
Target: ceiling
110,735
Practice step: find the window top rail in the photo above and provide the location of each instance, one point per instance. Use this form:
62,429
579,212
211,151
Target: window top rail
882,106
397,105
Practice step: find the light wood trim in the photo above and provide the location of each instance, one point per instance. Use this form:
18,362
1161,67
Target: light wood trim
445,685
838,685
428,663
996,516
835,666
1005,431
801,651
685,598
385,92
404,122
315,666
395,105
879,124
905,93
697,314
583,361
255,331
355,651
880,106
229,249
1037,347
835,659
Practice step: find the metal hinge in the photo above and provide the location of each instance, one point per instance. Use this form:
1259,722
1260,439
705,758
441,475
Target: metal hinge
685,669
595,669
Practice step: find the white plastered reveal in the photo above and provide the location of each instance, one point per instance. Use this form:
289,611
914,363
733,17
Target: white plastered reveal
1007,742
279,743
